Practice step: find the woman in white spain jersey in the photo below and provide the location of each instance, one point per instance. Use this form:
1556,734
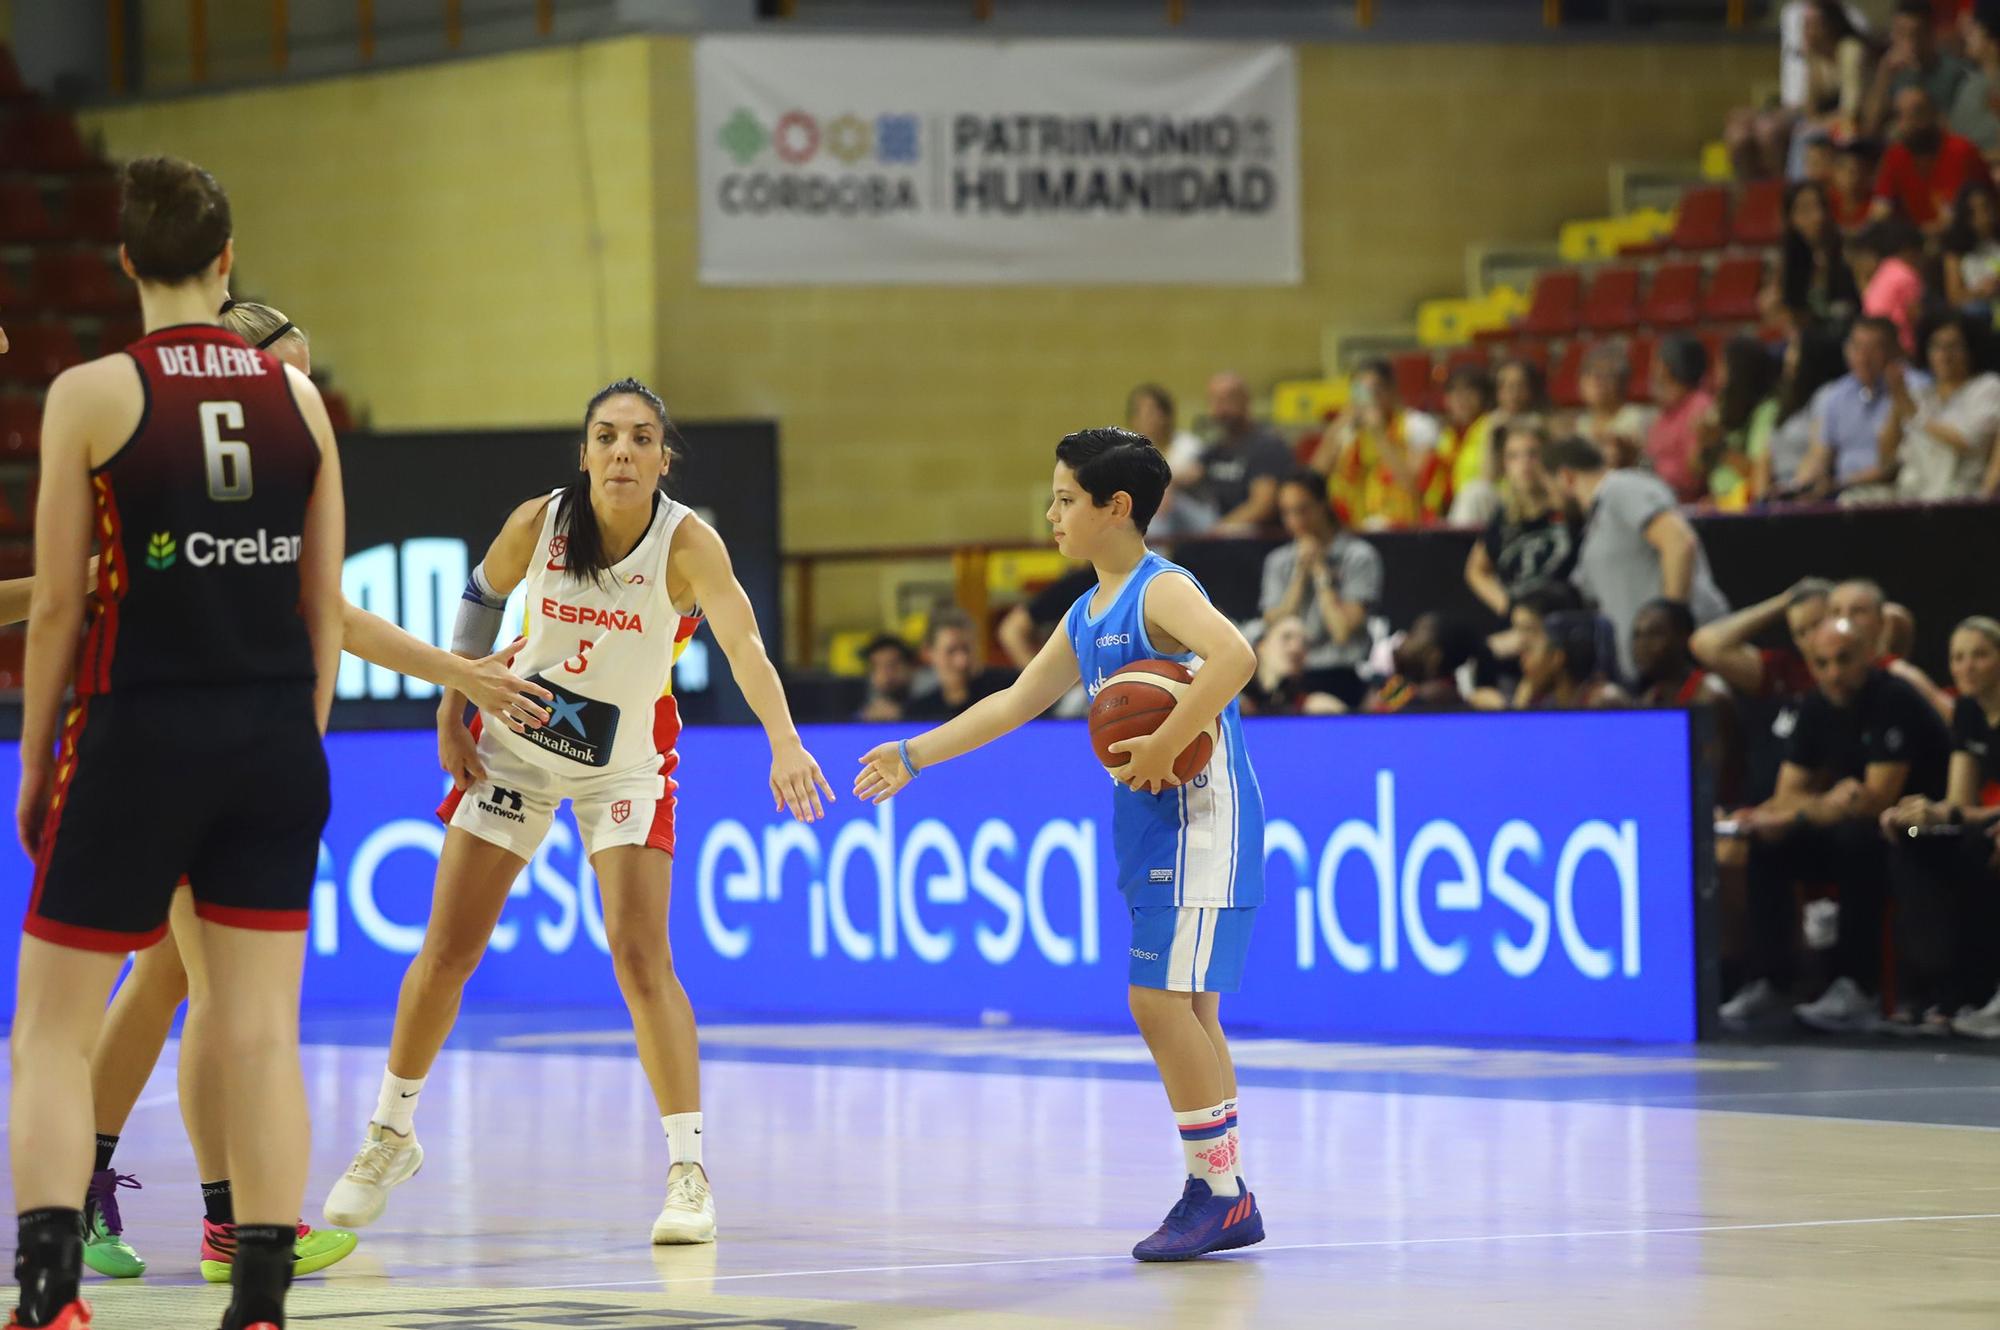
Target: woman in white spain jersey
612,568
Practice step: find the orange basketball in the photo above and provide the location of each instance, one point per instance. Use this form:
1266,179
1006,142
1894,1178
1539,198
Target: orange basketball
1134,702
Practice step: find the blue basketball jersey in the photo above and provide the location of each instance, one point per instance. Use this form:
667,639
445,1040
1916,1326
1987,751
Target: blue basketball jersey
1201,843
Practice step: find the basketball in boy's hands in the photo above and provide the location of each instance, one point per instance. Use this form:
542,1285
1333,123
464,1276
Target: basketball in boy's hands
1136,701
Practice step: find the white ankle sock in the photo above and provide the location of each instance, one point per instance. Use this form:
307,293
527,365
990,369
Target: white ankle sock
1235,1144
684,1137
1205,1145
396,1109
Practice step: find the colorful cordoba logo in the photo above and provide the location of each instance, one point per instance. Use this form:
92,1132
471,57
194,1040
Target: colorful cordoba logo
797,137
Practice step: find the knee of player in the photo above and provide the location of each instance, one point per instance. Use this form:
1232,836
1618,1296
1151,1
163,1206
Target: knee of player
642,961
449,958
1154,1006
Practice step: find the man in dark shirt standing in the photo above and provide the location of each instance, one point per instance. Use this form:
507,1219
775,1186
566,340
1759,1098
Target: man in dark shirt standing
1239,470
1863,741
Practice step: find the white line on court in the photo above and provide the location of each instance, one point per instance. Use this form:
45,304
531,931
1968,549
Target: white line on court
1690,1229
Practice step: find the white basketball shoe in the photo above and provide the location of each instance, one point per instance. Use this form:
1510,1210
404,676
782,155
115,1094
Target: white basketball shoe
386,1160
689,1214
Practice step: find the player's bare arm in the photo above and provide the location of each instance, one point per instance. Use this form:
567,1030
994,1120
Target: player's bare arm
505,564
323,549
1179,617
1049,675
699,555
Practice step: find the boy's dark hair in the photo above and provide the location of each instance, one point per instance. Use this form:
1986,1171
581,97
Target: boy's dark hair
1108,461
173,219
1312,482
1887,238
1471,376
1574,633
1876,323
1685,360
1574,453
889,641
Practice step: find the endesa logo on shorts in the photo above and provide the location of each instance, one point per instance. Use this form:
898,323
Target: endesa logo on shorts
202,549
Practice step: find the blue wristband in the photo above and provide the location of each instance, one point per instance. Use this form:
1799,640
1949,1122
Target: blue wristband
903,751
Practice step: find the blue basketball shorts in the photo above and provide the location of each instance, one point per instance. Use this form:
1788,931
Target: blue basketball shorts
1190,948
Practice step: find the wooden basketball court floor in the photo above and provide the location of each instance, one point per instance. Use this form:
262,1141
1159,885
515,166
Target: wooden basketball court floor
904,1176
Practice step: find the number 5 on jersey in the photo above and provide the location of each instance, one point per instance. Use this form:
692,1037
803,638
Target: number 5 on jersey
580,662
228,459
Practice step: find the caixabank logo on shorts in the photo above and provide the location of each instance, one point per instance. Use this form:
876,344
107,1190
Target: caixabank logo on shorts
845,164
580,728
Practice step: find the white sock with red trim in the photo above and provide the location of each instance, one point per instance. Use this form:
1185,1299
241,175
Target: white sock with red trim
1205,1145
1235,1143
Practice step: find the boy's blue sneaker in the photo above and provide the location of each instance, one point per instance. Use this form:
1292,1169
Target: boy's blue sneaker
1202,1222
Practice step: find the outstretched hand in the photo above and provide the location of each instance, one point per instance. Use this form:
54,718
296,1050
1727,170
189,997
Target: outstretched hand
498,691
882,773
796,782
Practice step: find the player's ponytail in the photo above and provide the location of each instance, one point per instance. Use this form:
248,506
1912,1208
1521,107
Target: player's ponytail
584,555
173,219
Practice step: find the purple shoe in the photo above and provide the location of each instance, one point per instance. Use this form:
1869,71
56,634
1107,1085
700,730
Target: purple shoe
1202,1222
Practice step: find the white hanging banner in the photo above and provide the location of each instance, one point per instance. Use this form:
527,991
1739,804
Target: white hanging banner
850,159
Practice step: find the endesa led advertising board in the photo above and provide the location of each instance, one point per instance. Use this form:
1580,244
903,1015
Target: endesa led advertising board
1480,876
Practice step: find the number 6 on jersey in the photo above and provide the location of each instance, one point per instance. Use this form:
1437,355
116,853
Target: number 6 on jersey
228,459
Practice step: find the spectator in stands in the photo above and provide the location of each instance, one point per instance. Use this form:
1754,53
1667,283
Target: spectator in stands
892,672
1465,435
1428,659
1324,577
951,648
1667,675
1972,113
1885,257
1862,602
1825,97
1738,427
1673,444
1530,540
1938,439
1635,546
1522,398
1812,360
1728,646
1851,197
1283,685
1924,167
1863,741
1944,861
1848,414
1815,285
1972,250
1237,474
1913,63
1383,457
1559,661
1618,427
1149,413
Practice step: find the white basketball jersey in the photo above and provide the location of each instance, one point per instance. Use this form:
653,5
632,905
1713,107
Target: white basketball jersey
606,650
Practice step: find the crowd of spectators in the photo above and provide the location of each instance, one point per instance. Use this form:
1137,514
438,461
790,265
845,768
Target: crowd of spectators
1836,761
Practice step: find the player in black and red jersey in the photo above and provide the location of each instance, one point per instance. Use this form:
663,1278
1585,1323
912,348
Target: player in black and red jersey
205,472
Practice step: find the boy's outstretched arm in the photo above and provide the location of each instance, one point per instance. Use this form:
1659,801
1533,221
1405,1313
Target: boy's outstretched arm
1049,675
1177,608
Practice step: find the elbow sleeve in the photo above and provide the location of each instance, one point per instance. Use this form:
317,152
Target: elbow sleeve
479,612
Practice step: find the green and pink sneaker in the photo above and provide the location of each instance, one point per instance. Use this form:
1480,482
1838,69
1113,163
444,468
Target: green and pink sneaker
317,1249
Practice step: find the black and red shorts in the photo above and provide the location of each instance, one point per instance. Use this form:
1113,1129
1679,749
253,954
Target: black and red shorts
225,785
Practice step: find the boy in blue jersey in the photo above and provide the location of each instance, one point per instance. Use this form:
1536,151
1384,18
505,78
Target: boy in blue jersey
1190,857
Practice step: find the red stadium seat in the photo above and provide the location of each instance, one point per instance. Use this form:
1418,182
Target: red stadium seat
1554,307
40,351
1412,372
93,209
119,332
1703,219
24,215
80,280
1612,303
1674,299
1732,291
1759,220
1639,355
20,426
1565,390
45,141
